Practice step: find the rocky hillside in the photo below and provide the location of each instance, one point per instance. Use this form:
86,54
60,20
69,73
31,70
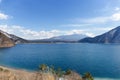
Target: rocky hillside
112,36
14,38
13,74
5,40
17,39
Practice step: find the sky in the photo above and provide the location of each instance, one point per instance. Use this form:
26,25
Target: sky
38,19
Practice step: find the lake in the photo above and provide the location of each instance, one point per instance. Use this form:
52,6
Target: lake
101,60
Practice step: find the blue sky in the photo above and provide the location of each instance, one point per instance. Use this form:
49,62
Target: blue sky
37,19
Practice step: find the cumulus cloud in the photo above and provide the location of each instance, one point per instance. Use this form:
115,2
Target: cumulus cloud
28,33
31,34
3,16
116,17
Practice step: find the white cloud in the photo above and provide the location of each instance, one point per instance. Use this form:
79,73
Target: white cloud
3,16
28,33
117,9
99,29
31,34
94,20
76,31
116,17
102,19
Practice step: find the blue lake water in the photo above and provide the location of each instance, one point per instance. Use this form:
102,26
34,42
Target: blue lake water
101,60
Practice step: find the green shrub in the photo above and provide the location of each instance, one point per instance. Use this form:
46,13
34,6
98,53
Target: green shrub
88,76
68,72
43,67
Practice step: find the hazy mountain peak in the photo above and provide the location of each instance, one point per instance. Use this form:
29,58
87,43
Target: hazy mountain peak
72,37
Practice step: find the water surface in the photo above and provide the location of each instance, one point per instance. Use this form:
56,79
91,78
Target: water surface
102,60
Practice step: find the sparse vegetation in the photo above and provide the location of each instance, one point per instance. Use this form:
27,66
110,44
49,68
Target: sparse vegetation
52,69
60,73
1,69
87,76
6,70
44,73
43,67
56,72
68,72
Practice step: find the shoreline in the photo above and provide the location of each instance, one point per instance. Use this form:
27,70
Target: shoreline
105,79
33,73
15,68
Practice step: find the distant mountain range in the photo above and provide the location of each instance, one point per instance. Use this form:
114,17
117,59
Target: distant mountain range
112,36
73,37
61,39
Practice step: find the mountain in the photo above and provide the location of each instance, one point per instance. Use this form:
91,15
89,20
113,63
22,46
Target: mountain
17,39
14,38
112,36
5,40
64,39
73,37
61,39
